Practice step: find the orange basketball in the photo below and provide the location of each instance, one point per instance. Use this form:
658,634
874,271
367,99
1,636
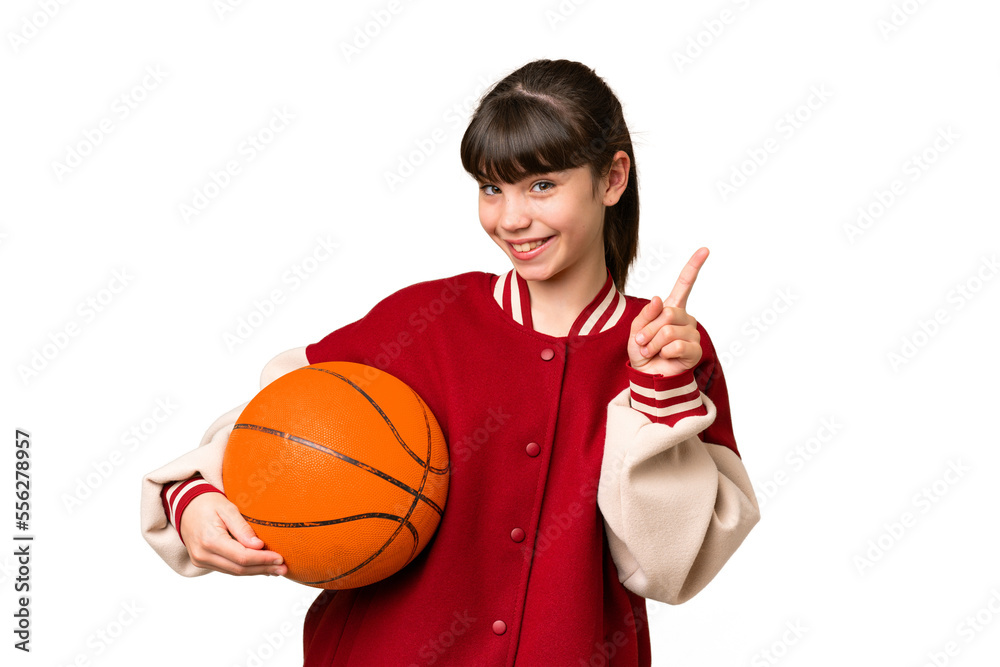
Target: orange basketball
342,469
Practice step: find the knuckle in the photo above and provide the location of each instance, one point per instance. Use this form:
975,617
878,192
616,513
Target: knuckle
236,520
212,542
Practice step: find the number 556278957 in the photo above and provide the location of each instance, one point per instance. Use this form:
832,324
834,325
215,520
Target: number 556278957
22,479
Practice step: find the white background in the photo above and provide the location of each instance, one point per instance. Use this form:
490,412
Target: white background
852,300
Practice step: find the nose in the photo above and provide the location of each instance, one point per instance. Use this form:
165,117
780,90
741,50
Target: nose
515,215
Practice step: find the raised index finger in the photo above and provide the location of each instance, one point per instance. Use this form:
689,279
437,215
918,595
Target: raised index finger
682,288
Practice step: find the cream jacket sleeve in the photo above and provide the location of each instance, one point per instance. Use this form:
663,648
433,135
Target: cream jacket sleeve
207,460
675,508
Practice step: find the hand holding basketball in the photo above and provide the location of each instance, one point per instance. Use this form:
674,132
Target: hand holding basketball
664,337
217,538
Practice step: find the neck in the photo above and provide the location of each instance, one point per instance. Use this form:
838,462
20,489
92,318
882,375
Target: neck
559,300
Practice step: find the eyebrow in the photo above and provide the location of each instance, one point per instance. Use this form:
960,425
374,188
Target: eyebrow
561,172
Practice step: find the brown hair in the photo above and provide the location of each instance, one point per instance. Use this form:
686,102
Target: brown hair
551,115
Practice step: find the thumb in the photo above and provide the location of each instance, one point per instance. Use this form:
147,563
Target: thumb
648,313
239,528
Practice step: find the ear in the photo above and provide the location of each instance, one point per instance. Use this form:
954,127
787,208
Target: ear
616,180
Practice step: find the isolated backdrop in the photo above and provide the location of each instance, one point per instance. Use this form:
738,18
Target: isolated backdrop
191,188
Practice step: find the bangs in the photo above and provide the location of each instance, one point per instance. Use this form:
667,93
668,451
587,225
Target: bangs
521,135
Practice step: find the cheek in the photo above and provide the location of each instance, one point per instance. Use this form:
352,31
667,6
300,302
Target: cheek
484,218
561,212
488,224
489,216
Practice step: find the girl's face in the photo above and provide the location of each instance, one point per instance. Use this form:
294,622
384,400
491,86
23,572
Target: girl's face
549,225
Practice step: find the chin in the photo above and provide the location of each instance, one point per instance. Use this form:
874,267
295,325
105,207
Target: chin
534,273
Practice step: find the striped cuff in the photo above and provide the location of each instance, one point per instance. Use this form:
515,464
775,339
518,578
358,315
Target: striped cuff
177,495
665,399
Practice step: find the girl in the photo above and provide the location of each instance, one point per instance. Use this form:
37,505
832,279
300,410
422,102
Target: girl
593,462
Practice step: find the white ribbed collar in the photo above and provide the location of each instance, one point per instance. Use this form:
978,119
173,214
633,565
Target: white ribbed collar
510,291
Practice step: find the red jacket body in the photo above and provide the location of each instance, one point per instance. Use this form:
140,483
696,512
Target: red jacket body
519,570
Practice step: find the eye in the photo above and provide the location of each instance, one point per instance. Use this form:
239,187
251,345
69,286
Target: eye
539,183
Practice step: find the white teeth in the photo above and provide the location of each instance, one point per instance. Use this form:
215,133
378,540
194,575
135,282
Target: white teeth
525,247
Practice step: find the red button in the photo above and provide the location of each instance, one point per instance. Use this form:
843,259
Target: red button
517,535
548,353
532,449
499,627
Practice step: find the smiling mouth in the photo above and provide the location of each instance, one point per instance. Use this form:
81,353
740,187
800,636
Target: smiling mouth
525,247
529,249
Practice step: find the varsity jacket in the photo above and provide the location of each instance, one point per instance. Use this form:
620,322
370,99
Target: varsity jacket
579,486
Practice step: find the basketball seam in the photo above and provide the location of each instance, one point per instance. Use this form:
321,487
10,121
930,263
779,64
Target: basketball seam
385,417
341,456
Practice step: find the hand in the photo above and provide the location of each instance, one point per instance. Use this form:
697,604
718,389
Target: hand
664,337
219,538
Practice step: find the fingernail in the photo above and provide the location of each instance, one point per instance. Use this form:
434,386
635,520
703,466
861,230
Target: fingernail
276,561
640,338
